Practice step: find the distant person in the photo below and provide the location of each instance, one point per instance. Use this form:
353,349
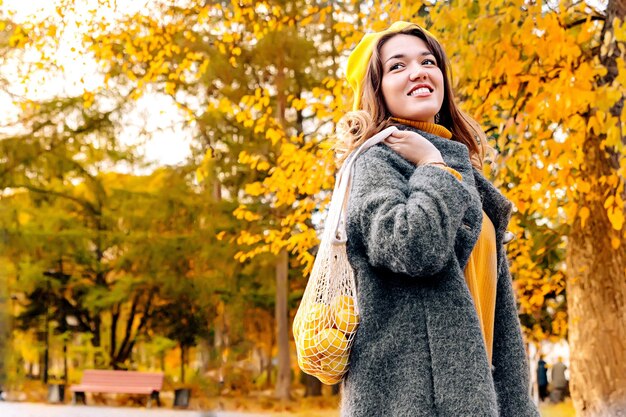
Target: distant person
558,380
542,378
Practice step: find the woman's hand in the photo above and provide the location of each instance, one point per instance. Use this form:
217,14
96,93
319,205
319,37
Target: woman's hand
414,147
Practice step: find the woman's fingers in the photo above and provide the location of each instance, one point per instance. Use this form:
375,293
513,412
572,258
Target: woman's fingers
406,134
399,134
412,146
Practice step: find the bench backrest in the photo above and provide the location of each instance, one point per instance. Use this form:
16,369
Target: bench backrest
108,378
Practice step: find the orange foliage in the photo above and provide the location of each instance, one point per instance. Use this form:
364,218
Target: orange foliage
531,75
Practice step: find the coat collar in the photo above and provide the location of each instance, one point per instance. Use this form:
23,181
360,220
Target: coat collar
496,205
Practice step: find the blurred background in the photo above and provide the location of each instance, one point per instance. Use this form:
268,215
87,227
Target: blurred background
165,168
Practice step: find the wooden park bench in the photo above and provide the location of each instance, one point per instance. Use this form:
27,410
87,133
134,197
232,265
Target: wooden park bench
119,382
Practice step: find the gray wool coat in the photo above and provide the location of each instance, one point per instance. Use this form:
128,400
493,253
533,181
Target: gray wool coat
419,350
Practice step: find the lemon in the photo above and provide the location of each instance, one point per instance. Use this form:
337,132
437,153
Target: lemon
333,366
346,320
329,380
308,346
342,302
308,365
331,342
317,318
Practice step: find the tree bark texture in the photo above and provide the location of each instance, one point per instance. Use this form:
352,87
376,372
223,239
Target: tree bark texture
597,319
283,378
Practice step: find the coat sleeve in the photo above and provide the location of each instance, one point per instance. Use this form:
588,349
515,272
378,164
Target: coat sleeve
407,226
511,370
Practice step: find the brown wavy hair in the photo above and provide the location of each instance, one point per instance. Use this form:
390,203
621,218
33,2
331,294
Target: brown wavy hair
357,126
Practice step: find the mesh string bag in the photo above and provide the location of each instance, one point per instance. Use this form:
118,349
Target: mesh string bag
328,316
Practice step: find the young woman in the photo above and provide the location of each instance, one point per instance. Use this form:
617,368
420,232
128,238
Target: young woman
439,332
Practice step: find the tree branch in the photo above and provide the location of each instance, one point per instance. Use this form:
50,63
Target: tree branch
119,357
147,314
583,20
83,203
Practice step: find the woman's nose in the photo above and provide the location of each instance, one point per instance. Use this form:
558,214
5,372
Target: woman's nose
417,73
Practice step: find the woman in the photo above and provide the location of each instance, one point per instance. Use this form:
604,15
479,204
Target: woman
439,332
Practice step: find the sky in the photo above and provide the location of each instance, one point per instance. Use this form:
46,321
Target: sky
168,142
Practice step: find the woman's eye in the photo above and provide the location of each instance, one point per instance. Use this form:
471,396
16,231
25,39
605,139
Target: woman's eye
429,62
395,66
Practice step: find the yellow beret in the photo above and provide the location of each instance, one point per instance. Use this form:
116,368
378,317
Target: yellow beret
360,57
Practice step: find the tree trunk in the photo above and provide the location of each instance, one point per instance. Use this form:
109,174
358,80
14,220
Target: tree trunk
203,355
115,315
221,342
5,331
596,294
65,373
267,370
46,351
182,364
313,386
283,378
119,353
597,277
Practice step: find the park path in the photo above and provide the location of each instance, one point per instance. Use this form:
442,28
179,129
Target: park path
11,409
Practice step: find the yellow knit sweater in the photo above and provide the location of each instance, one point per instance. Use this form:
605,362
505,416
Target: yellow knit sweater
481,272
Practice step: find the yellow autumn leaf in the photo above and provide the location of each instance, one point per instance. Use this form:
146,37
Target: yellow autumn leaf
616,217
273,135
584,215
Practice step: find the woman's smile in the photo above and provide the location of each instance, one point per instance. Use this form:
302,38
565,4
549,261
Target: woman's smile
420,90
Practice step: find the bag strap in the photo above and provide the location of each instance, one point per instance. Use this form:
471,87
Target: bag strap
338,212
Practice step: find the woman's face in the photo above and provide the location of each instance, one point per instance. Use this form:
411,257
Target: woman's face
412,84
